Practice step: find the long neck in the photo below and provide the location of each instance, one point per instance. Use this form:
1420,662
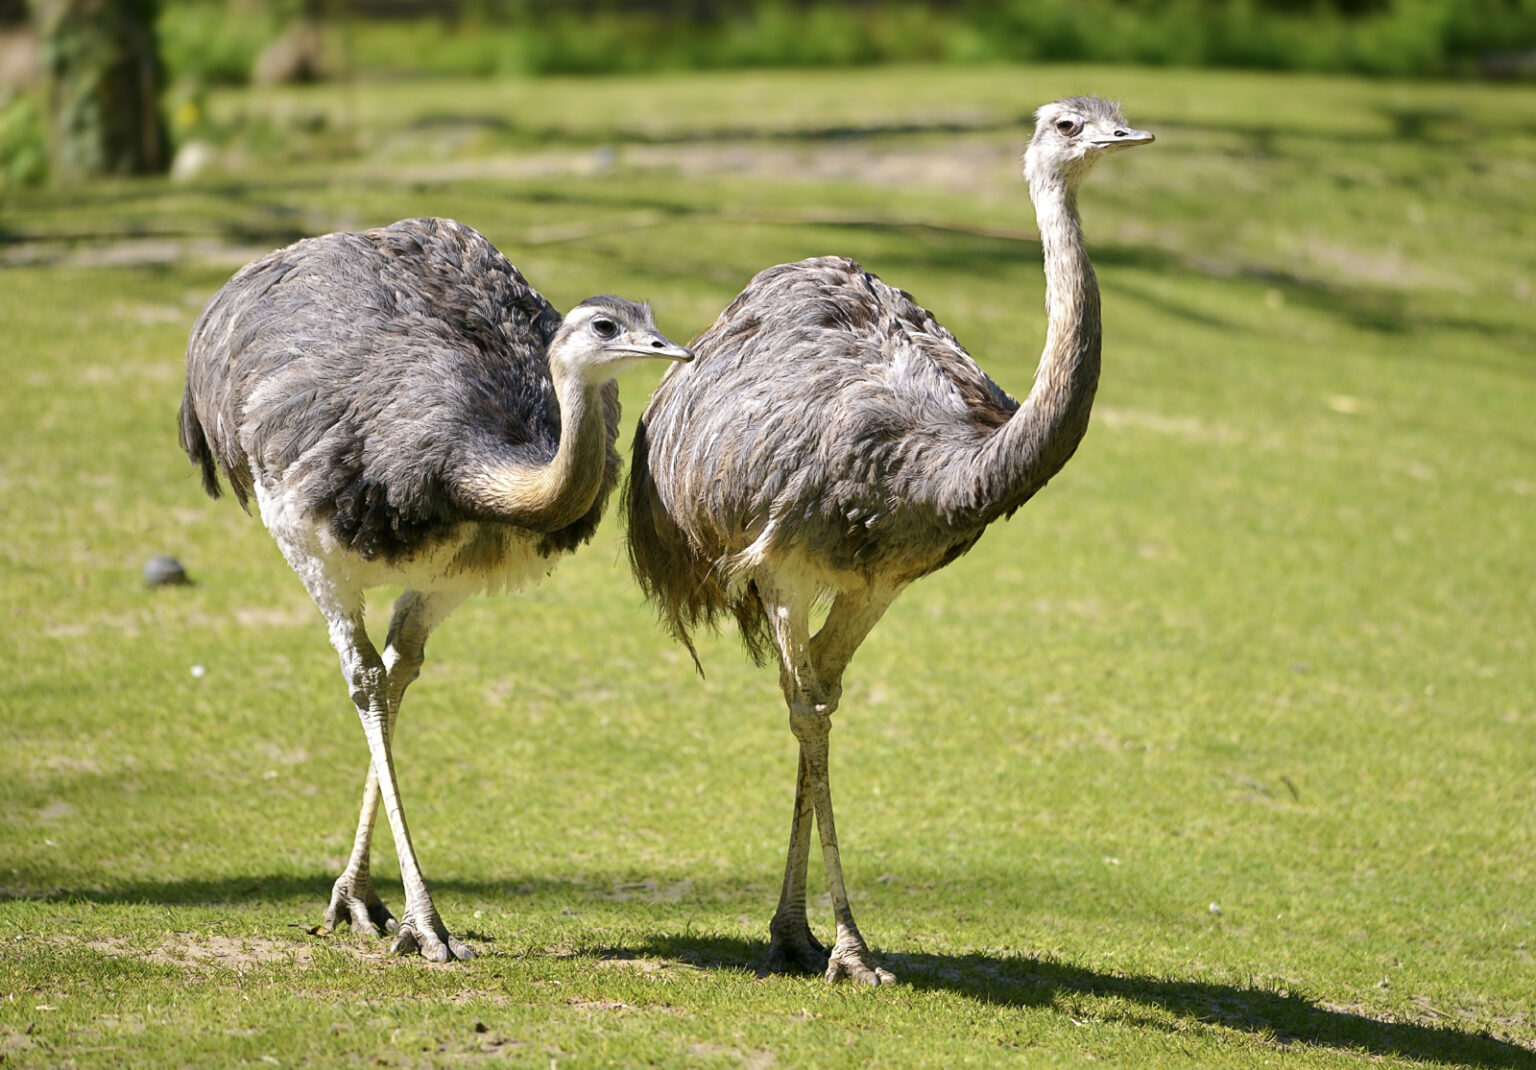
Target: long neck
559,493
1043,434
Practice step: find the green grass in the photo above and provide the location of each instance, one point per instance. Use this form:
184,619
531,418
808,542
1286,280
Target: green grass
1267,643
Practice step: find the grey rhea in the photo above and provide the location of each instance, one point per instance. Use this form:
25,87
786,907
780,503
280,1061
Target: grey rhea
407,410
832,441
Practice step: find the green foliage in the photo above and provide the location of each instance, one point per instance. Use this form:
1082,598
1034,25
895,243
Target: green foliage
1265,643
1400,37
23,148
211,42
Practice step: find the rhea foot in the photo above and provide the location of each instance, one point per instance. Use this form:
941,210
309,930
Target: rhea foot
423,932
794,947
851,960
354,900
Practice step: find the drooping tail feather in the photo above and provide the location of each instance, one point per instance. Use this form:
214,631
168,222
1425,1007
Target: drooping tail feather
195,442
685,587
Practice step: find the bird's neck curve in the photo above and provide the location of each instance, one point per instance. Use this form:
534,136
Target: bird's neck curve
557,494
1045,431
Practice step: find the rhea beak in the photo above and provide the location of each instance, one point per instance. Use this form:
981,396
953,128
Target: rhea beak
1123,137
657,345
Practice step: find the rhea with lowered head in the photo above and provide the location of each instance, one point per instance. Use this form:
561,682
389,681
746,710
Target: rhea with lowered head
406,410
832,441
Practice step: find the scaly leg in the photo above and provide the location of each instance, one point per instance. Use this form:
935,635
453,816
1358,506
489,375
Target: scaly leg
420,929
791,942
353,897
812,697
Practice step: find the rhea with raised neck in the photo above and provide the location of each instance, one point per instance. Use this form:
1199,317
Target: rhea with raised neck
1070,136
830,444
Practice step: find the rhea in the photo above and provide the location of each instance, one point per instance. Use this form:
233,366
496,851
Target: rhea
406,410
831,442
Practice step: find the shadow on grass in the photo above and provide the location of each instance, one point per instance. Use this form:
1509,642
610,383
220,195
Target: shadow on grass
307,893
998,980
250,214
1024,981
1424,125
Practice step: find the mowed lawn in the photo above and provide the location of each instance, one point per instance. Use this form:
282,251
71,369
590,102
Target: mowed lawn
1222,752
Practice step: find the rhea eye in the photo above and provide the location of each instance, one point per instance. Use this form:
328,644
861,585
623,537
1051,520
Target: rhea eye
1069,127
605,329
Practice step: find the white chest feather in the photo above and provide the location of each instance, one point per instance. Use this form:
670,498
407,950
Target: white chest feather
475,558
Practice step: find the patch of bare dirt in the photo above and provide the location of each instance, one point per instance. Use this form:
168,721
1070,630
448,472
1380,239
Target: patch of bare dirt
641,965
1429,1017
1389,267
965,165
128,252
756,1060
197,953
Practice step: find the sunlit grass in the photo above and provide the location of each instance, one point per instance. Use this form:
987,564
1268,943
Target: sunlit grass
1218,752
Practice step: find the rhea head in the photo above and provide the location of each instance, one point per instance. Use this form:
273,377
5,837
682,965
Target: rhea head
604,335
1073,134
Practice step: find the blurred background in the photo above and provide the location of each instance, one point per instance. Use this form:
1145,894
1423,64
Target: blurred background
126,80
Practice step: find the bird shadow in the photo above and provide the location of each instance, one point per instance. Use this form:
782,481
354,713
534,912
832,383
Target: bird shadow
1027,981
1284,1016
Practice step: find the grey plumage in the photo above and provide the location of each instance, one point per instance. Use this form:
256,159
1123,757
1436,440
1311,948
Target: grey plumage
406,409
833,442
423,326
831,412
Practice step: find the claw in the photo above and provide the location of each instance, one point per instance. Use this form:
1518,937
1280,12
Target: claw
405,942
853,964
795,948
431,939
354,901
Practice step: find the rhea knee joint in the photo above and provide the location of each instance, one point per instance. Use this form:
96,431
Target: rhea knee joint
810,722
365,685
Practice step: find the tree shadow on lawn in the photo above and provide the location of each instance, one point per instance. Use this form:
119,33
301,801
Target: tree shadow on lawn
1025,981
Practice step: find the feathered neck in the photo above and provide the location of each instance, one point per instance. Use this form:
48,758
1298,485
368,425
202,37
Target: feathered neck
555,495
1022,455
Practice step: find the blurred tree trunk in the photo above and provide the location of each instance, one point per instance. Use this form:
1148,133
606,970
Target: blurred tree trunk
102,68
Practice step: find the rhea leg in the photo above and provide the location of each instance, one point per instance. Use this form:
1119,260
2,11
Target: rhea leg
353,897
377,700
811,677
790,938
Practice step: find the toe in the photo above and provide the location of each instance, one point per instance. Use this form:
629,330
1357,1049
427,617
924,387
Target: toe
405,942
362,922
431,941
809,957
381,919
858,970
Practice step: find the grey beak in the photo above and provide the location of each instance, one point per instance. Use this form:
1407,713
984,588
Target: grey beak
658,345
1124,137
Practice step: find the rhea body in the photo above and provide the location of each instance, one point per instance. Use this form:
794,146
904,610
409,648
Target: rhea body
406,410
832,442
